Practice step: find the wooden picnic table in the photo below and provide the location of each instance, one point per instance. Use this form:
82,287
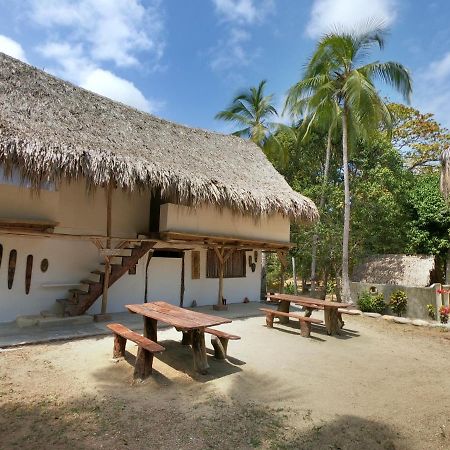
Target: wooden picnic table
333,319
191,323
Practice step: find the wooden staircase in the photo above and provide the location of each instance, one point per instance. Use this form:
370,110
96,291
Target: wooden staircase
80,300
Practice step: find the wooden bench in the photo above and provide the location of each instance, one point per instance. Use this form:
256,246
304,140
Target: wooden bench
305,322
147,348
219,340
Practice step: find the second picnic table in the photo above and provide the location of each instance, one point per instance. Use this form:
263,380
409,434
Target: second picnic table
333,319
191,323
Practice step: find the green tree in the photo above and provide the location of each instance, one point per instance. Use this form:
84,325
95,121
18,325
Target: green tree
334,75
418,137
251,110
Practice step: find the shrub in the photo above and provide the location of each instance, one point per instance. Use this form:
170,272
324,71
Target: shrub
398,302
368,302
444,312
431,312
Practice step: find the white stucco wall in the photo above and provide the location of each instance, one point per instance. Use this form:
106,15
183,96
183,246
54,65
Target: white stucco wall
223,222
70,261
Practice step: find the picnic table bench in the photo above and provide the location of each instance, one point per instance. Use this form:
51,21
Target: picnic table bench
332,310
219,340
146,349
304,321
191,323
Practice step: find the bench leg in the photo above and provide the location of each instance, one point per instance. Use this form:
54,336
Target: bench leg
143,366
119,346
220,347
305,328
283,306
269,320
340,321
199,350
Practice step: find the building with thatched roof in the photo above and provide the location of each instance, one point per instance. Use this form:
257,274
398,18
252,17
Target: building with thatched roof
102,204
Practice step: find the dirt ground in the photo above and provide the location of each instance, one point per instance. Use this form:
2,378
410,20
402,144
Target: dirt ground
379,386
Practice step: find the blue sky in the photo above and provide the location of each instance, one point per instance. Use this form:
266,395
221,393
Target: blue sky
183,60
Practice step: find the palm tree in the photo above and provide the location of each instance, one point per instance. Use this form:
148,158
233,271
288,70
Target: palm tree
334,76
325,117
252,110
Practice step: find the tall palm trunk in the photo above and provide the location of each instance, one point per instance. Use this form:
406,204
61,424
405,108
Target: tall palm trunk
346,297
315,239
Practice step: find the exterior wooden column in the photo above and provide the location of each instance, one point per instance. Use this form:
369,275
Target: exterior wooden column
283,305
182,281
222,257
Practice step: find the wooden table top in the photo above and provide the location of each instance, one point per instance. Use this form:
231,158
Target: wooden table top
305,301
176,316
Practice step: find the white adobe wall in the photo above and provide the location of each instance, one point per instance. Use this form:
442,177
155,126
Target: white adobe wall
205,290
223,222
72,260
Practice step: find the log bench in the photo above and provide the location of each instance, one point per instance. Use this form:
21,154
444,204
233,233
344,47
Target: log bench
339,312
219,340
305,322
146,349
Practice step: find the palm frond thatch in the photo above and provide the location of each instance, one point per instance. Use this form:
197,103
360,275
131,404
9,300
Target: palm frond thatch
52,130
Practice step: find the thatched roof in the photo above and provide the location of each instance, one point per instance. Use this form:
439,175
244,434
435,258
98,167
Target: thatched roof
403,270
51,129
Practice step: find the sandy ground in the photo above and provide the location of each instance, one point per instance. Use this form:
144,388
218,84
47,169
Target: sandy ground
379,386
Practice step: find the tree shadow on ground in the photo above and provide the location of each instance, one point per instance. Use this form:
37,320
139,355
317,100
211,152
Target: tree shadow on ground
214,422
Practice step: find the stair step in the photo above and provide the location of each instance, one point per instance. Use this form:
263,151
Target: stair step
66,301
88,282
77,291
115,252
114,260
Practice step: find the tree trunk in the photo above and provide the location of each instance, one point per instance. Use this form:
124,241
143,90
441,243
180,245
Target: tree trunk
315,239
346,235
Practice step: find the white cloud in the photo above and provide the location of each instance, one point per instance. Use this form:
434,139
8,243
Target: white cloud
111,30
231,51
244,11
77,68
106,83
12,48
432,89
440,69
346,14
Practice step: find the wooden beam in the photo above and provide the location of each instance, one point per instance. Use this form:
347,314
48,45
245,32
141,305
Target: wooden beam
109,191
182,281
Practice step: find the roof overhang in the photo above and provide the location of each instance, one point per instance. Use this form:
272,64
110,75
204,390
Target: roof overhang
211,241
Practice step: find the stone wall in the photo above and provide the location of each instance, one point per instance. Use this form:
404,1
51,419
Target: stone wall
418,297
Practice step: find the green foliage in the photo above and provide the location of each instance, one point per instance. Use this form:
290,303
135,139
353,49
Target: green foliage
368,302
431,311
398,302
251,109
428,231
418,137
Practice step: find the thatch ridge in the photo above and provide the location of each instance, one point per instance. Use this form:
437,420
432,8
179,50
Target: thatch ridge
52,130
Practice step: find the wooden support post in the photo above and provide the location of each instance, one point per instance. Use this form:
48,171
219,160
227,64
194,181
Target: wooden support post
269,320
222,258
151,329
199,350
143,365
187,338
305,328
119,346
332,323
182,282
220,345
